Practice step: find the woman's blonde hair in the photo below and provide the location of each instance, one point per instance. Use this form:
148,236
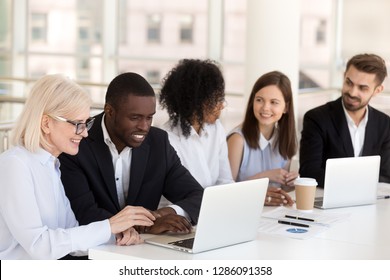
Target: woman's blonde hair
54,95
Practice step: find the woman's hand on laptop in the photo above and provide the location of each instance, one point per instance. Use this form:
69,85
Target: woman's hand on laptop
277,197
130,216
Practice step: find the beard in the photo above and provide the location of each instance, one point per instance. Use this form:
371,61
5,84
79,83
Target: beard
352,106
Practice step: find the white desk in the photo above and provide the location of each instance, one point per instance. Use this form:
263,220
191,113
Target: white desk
364,235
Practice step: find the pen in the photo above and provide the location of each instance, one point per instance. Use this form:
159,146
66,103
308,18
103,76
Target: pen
292,224
299,218
383,196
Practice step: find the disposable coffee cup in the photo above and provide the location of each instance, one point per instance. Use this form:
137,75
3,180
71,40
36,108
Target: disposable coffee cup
305,192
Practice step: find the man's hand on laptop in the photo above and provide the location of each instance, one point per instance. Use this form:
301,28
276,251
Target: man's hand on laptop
170,223
167,221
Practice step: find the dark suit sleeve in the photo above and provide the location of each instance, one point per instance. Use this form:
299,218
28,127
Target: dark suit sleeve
77,181
380,134
385,162
312,148
180,186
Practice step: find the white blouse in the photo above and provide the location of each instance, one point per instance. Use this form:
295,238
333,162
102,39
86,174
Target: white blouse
204,155
36,220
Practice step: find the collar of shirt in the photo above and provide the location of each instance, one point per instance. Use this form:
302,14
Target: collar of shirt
106,136
203,131
351,123
178,132
107,139
46,158
264,142
357,132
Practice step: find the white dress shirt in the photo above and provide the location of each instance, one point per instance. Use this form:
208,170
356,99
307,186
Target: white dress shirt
357,132
205,155
122,163
36,220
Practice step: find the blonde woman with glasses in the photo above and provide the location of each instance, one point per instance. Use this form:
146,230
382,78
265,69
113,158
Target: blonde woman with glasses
36,220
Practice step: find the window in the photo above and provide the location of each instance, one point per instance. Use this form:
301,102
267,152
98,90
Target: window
321,32
154,28
186,29
153,76
83,33
122,21
83,69
5,25
38,27
5,42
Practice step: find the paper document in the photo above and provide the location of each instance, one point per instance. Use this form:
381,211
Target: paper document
296,224
273,227
320,217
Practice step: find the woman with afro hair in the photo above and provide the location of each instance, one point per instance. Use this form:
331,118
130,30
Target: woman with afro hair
193,93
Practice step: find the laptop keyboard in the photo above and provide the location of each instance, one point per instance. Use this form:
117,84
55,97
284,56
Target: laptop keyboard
186,243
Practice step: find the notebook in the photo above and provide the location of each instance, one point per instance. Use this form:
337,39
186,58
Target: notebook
350,181
229,214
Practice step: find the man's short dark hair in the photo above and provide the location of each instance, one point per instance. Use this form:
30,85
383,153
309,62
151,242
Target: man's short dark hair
369,63
127,84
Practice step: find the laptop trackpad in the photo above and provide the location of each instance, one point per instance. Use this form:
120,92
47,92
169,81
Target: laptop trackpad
168,238
186,243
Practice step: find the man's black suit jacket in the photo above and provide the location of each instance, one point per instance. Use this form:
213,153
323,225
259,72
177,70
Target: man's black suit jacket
156,170
325,134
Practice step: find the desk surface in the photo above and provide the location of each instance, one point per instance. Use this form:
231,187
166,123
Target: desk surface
364,235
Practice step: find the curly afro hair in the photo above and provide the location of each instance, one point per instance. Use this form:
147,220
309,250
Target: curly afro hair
191,89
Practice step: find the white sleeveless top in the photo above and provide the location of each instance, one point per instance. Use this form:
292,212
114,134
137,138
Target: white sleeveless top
259,160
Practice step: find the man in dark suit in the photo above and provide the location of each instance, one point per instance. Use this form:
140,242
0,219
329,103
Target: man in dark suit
348,126
125,161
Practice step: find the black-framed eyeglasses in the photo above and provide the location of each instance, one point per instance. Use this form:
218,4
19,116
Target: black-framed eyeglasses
80,126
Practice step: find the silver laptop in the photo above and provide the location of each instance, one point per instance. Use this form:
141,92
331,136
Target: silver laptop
229,214
350,181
